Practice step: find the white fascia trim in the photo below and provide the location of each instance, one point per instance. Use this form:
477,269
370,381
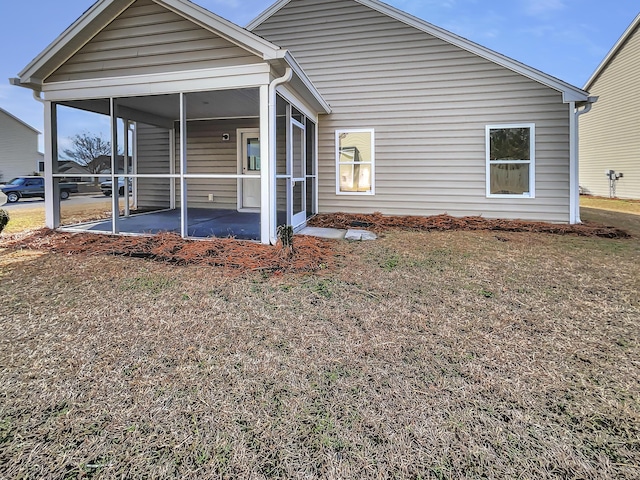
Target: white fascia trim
27,75
570,92
477,49
299,72
226,29
612,53
272,10
20,121
223,78
290,95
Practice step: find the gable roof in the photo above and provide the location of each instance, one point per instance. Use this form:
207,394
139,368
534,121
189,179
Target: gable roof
570,93
613,52
20,121
104,12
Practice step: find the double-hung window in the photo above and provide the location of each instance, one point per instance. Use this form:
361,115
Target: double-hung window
355,161
511,160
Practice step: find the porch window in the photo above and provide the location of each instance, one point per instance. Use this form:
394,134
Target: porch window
511,161
355,162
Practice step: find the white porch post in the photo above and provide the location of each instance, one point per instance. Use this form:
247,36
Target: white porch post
273,186
183,166
172,168
134,163
125,162
115,197
267,222
51,194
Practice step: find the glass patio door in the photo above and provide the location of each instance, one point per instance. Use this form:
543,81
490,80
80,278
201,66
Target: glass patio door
249,167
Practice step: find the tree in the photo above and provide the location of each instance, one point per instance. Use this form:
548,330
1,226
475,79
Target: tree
90,151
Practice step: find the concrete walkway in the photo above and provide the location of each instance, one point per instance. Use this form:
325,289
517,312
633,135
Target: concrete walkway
332,233
338,234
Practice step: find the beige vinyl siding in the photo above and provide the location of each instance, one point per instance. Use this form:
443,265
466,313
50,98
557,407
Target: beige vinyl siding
207,153
428,102
610,133
18,149
153,158
148,38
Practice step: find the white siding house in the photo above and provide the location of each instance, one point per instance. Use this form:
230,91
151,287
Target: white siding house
19,154
610,134
319,106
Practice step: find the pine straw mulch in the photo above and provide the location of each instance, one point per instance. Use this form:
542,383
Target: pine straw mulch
378,223
308,253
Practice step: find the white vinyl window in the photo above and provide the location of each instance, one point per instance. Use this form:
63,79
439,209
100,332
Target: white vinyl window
355,162
511,160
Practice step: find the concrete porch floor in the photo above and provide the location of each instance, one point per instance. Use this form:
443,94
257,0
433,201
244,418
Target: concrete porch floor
202,223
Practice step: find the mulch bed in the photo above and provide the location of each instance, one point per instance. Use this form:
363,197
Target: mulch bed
378,223
308,253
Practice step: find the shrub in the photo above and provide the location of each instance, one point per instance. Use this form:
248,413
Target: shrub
4,219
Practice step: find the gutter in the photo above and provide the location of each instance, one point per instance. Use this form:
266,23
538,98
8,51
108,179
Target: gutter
574,163
37,96
288,75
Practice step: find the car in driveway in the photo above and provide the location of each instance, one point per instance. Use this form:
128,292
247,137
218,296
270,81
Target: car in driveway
32,186
107,189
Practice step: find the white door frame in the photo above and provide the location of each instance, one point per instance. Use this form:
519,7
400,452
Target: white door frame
241,134
300,218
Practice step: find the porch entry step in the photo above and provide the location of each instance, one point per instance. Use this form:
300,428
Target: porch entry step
360,235
338,234
332,233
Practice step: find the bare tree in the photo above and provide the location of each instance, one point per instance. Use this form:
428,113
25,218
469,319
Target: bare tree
90,151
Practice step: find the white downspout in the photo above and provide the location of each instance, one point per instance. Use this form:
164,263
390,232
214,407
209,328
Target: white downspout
574,163
273,213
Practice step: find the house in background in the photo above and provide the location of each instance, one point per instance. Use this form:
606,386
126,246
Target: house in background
331,105
19,154
73,171
610,134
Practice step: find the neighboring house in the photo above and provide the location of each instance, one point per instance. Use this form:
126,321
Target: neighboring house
73,171
19,154
103,163
331,105
610,134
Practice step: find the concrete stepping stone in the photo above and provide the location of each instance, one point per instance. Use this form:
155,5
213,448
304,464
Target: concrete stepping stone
360,235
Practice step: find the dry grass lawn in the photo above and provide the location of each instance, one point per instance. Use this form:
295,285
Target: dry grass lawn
33,217
612,204
444,355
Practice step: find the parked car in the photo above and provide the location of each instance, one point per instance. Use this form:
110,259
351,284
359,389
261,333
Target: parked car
29,187
107,189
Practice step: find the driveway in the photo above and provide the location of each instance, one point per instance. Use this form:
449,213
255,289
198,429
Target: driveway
74,199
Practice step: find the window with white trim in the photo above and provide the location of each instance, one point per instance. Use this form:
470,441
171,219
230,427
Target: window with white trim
511,160
355,162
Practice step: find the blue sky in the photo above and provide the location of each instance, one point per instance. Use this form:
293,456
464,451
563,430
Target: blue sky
564,38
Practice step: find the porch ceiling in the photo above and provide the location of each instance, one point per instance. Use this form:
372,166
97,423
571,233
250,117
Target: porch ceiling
219,103
214,104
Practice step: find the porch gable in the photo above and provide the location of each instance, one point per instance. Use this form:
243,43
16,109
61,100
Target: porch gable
148,38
